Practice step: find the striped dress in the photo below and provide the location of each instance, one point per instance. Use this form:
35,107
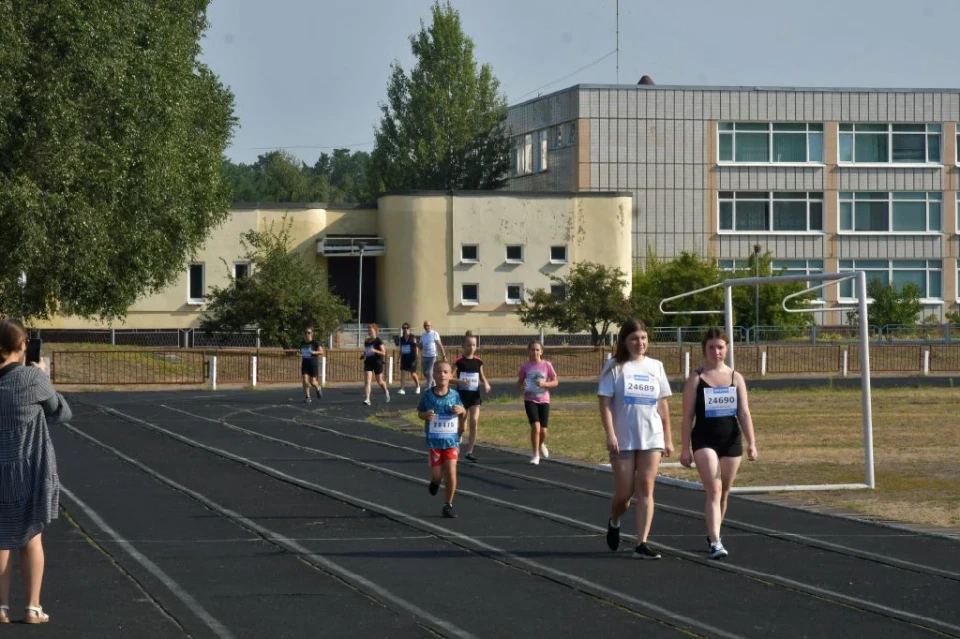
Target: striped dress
29,487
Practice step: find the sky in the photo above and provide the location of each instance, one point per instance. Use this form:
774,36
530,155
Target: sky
309,75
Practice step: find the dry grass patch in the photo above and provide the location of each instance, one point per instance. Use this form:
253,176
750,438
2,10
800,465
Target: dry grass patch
805,437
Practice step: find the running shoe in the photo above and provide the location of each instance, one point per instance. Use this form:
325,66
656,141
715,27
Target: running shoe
613,536
367,402
433,488
643,551
401,392
388,397
418,390
448,511
535,460
717,551
318,393
470,457
306,400
544,452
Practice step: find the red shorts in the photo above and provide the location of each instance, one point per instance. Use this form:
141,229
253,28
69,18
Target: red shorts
440,455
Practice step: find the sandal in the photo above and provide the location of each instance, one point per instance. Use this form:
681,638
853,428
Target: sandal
4,614
35,614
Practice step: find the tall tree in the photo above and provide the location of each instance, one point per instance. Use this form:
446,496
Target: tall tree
891,306
444,124
111,139
593,300
662,279
283,294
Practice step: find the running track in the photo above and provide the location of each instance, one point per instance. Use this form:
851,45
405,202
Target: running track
250,514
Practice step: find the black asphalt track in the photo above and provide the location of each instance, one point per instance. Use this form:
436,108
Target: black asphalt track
250,514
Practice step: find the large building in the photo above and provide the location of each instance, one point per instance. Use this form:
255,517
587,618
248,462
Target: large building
463,260
823,179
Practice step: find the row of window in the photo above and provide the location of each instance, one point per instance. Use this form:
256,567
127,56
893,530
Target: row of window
529,153
197,280
859,211
927,275
802,143
513,294
513,254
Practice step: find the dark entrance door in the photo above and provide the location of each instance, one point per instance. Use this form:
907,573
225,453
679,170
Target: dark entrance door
344,278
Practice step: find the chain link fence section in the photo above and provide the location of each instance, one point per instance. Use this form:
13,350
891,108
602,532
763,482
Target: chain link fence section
886,358
804,359
125,367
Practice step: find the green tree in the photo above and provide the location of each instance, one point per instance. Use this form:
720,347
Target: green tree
282,295
444,124
891,306
593,300
771,297
111,139
662,279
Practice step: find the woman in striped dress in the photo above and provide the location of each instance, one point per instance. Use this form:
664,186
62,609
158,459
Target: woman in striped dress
29,488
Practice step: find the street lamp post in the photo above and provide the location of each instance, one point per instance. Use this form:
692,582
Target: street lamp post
756,290
360,295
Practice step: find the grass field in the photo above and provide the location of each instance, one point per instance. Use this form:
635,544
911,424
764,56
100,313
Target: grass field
804,437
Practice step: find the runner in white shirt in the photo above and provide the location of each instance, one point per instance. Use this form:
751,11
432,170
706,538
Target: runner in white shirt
429,343
636,419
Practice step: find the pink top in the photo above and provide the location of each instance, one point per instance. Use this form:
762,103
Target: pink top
529,373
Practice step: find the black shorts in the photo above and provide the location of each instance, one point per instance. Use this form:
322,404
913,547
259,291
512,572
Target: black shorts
537,413
310,367
470,398
374,365
408,363
726,443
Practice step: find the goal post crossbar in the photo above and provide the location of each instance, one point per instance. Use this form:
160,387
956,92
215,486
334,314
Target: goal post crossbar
860,279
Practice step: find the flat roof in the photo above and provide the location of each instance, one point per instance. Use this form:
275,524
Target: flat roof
510,193
755,88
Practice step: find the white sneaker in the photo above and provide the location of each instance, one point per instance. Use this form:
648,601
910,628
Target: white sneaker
418,390
388,397
401,392
544,452
367,402
535,460
717,551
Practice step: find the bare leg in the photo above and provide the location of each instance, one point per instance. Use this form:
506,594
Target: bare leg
6,576
306,386
728,472
449,480
648,463
31,570
535,438
708,467
381,382
367,381
473,421
624,471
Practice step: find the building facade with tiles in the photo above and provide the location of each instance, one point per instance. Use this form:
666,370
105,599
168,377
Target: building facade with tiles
823,179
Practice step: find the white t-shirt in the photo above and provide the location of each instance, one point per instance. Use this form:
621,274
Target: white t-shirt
635,389
428,342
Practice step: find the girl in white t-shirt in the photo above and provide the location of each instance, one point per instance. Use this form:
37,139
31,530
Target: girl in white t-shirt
635,415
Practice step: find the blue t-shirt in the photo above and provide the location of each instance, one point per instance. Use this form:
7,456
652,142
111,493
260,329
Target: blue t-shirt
443,407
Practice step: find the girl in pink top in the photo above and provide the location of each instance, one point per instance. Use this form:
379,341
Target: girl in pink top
534,379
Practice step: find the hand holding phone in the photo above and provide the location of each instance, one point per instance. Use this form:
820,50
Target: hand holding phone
33,350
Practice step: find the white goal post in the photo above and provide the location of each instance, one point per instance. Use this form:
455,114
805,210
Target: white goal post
828,279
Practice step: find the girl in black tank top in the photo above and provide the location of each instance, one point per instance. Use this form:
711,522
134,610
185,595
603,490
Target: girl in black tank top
721,415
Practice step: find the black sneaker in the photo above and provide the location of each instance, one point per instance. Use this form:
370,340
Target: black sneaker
643,551
318,393
448,512
470,457
306,400
613,536
433,488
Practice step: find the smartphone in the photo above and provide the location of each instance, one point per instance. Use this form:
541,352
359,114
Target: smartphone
33,350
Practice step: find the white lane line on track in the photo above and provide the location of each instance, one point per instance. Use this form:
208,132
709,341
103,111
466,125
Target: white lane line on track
437,624
814,541
447,534
808,589
176,589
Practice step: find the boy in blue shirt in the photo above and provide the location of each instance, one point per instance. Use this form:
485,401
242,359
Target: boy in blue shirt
440,409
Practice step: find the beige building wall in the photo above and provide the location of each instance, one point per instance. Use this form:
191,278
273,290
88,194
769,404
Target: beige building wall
421,275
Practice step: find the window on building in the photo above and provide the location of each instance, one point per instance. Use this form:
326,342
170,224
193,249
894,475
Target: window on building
558,254
514,293
196,293
890,143
514,253
927,275
521,157
469,253
241,270
559,291
542,146
571,133
770,142
799,267
469,294
770,212
557,136
885,212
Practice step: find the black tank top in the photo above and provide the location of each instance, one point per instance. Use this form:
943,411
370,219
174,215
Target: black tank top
723,424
